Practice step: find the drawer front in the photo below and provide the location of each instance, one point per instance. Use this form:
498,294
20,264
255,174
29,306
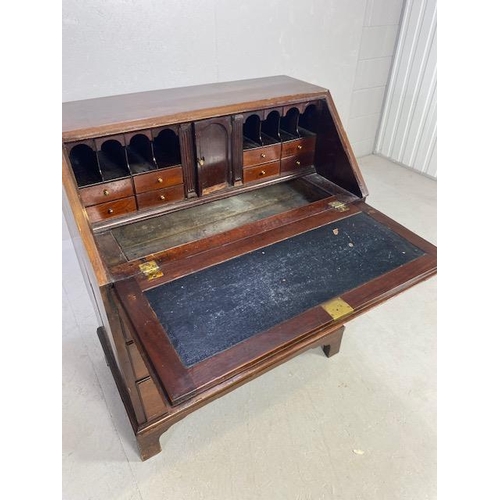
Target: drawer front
158,179
261,155
298,146
106,192
298,161
140,369
111,209
261,171
160,196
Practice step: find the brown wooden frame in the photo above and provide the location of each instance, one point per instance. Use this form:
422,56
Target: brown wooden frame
181,383
157,393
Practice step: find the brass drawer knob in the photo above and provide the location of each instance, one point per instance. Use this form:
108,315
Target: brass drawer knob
201,161
159,180
297,163
299,147
262,172
162,197
105,192
110,210
262,155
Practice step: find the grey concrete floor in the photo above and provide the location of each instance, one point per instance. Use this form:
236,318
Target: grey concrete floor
290,434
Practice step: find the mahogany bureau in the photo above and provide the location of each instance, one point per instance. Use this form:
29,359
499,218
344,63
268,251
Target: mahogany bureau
222,229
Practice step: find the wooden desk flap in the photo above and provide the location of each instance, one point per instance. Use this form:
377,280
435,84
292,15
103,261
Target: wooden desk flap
212,323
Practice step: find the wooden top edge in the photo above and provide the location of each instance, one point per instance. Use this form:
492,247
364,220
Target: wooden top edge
107,115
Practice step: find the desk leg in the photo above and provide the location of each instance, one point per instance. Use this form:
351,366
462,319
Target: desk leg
333,346
149,443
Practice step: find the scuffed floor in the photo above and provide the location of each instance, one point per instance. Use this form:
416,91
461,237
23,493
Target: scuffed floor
358,426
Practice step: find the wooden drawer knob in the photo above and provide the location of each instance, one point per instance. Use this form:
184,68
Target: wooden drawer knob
105,192
262,155
299,147
162,197
159,180
110,210
297,163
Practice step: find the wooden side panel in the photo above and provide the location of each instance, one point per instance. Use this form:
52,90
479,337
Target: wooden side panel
80,230
336,161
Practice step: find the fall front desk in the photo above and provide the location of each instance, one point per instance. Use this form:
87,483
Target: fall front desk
222,229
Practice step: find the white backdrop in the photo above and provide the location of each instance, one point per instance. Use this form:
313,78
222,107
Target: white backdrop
122,46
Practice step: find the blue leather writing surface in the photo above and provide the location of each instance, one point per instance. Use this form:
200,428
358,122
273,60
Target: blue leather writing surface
214,309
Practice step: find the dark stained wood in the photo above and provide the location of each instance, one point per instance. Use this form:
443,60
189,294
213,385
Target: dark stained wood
158,179
181,383
298,146
297,162
148,435
136,413
99,141
111,251
333,347
213,196
107,191
269,224
118,332
160,196
108,115
259,172
140,369
237,149
151,398
81,233
345,168
211,371
300,106
156,388
187,157
111,209
260,155
213,154
248,243
148,440
147,132
152,338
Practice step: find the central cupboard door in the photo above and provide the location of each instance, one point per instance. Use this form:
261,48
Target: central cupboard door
213,154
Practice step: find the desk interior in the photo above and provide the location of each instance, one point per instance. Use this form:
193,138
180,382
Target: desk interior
173,229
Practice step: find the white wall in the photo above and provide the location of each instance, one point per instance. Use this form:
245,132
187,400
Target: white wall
408,130
122,46
378,43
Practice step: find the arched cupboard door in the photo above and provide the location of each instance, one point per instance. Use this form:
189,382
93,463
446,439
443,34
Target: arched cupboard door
213,154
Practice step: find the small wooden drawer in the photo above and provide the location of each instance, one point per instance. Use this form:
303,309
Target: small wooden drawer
111,209
265,154
106,192
158,179
261,171
151,399
161,196
140,369
298,146
297,161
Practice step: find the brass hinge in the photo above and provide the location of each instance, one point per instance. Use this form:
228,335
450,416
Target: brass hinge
338,206
337,308
150,269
